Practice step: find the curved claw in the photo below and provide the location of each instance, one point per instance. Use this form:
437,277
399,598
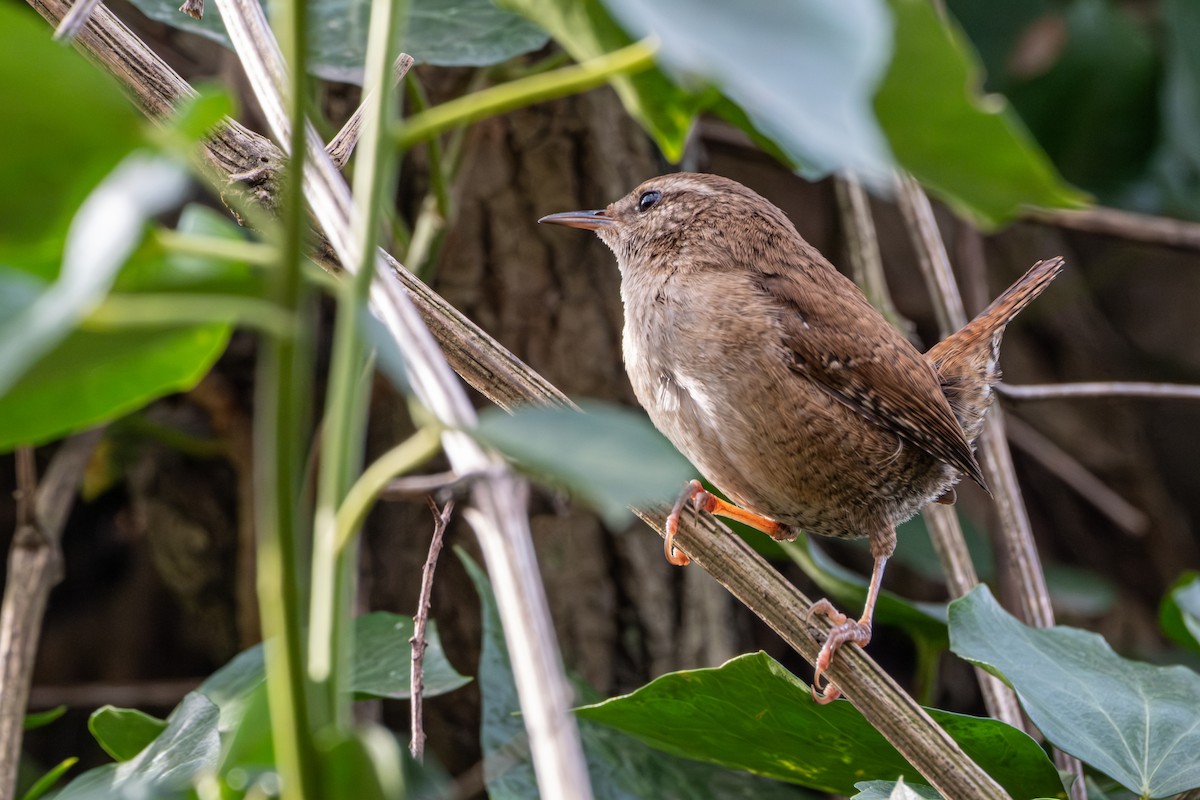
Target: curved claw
843,631
693,491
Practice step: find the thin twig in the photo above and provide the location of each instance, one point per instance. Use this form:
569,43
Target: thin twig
1067,469
34,568
343,143
438,484
1022,556
1123,224
441,518
508,382
1100,389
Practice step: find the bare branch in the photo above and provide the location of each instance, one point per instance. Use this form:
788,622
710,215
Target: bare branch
1120,511
441,518
1123,224
34,568
1100,389
342,144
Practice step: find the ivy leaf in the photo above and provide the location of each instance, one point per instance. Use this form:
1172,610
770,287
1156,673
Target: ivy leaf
1135,722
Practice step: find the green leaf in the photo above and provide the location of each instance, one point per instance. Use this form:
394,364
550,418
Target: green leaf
441,32
103,234
894,790
585,29
804,73
41,719
187,747
96,376
620,767
382,667
92,376
383,659
124,732
367,764
196,117
1179,613
66,126
971,151
1138,723
610,457
712,714
47,781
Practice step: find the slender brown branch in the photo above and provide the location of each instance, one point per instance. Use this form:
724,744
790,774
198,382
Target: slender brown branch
1067,469
343,143
34,568
1056,391
1022,557
1123,224
441,518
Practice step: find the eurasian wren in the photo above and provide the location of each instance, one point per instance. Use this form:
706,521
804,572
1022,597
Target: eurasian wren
772,373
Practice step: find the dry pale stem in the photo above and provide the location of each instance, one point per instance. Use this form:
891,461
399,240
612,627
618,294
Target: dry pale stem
34,568
1017,539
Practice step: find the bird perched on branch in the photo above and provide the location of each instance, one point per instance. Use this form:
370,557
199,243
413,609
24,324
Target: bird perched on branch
772,373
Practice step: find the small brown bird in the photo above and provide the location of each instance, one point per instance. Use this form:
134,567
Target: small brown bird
772,373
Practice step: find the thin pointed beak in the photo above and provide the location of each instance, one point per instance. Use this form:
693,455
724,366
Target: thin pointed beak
588,220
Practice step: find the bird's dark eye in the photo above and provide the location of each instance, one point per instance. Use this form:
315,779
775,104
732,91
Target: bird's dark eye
649,200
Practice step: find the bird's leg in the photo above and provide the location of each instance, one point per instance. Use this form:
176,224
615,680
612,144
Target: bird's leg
846,630
706,501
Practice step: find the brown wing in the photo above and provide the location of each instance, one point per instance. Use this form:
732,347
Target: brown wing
842,344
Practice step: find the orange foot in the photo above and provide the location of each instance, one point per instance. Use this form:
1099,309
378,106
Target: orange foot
844,630
704,501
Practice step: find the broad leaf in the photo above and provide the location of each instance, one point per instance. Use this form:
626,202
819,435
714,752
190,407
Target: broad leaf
442,32
66,126
1138,723
971,151
382,667
365,765
803,72
711,714
102,235
91,376
383,659
611,457
187,747
124,732
620,767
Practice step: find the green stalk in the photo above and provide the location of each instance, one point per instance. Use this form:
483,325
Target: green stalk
333,568
404,457
195,244
165,309
526,91
280,432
